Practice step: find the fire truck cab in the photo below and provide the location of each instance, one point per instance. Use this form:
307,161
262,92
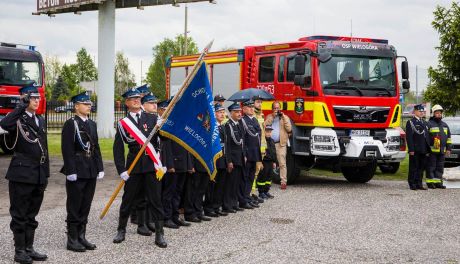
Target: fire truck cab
341,93
20,65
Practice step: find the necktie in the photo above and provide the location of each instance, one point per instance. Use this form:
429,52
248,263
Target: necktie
35,120
138,120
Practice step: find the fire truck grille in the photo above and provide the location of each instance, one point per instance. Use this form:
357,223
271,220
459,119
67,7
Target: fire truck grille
8,102
361,114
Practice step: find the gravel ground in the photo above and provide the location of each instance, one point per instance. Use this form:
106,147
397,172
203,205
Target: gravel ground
319,220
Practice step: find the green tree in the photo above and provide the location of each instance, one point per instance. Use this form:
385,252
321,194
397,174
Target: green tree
444,88
156,74
124,78
52,71
85,69
69,76
61,90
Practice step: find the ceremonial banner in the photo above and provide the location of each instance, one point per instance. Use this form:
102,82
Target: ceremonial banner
192,123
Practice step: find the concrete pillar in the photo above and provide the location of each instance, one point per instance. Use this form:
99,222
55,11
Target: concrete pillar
106,70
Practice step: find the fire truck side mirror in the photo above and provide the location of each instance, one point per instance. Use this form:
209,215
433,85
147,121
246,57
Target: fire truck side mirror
406,85
299,65
405,70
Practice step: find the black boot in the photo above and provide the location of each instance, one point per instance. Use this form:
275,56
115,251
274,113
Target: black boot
34,255
82,238
151,226
431,185
141,227
440,186
72,239
20,254
121,231
159,235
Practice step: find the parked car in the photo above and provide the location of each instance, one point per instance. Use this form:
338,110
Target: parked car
454,124
391,166
68,108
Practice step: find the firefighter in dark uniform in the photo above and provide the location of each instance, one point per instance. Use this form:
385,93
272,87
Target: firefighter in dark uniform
214,194
197,184
142,182
235,158
418,146
28,172
149,105
252,141
170,178
440,143
82,166
264,179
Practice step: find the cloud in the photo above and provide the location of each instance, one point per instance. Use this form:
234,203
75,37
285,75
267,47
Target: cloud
406,24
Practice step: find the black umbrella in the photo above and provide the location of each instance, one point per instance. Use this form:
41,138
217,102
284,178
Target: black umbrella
250,93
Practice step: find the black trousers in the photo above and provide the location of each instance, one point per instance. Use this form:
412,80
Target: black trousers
180,192
214,194
139,187
169,182
435,168
197,184
80,195
25,202
231,188
247,182
264,180
417,165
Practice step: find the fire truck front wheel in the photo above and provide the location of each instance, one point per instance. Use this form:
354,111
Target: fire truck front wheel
360,174
9,142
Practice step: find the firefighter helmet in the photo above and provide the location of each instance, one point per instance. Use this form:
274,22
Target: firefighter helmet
436,108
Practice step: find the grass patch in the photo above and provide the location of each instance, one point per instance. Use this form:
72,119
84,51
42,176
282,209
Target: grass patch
54,146
401,174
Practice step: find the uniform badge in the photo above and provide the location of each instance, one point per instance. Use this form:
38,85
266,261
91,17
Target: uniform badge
27,133
299,106
145,127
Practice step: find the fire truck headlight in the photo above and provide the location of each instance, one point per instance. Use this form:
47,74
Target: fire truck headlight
323,139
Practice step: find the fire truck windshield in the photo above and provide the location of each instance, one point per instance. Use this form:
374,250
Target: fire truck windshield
20,73
358,76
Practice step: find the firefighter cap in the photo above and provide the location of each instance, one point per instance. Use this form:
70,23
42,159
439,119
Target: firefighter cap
149,98
31,90
218,107
131,93
81,98
144,89
268,127
249,103
219,97
234,107
437,108
419,107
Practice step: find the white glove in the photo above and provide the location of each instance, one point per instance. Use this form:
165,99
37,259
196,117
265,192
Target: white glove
71,177
124,176
100,175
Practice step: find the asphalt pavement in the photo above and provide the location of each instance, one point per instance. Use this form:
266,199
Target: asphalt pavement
319,220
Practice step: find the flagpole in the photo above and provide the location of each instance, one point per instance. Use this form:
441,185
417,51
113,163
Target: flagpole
165,116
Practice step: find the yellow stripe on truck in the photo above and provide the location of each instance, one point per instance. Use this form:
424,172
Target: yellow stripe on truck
208,61
320,113
397,123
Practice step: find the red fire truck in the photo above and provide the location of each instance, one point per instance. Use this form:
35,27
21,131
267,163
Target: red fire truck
341,93
20,65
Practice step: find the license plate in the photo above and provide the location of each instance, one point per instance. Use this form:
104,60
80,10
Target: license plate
453,156
360,133
371,153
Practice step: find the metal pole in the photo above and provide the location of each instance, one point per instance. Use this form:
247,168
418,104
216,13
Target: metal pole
106,69
185,32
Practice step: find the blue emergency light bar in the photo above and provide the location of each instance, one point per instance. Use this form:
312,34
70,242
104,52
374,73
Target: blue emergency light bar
13,45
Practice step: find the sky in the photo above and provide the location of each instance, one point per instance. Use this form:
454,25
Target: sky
231,23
